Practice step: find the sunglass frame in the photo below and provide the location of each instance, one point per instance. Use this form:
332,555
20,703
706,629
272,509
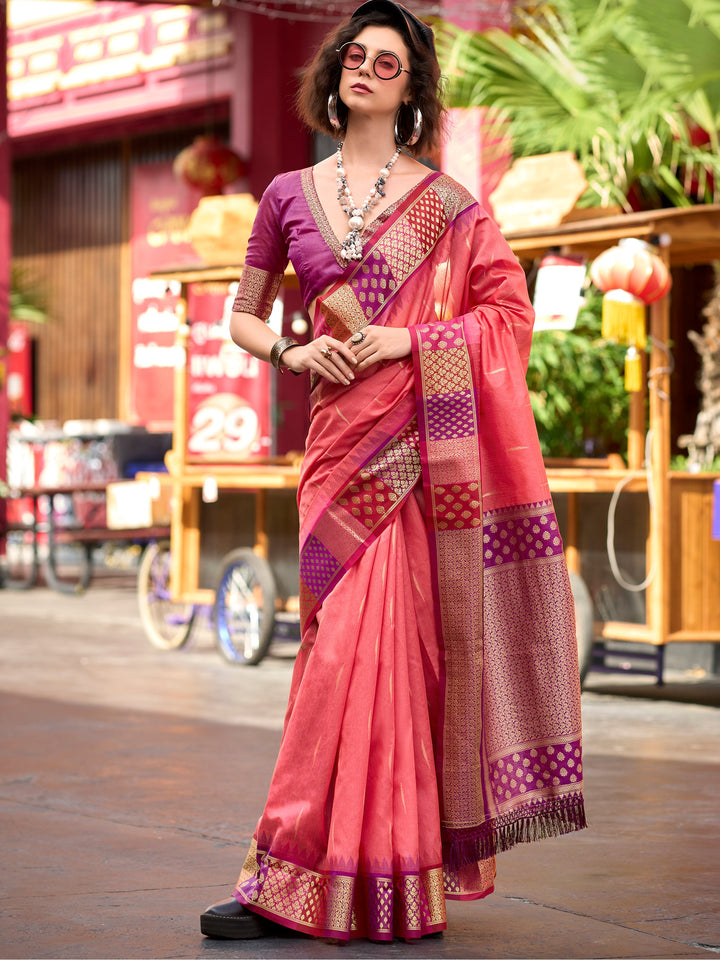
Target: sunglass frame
384,53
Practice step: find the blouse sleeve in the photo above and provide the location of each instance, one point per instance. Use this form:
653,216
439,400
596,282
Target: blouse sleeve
265,261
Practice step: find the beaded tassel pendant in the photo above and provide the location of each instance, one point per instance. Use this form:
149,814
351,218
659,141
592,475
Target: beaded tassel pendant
352,247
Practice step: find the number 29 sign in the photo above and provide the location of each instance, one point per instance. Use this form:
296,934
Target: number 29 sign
225,424
228,390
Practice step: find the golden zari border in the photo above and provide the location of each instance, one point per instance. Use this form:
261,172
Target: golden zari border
407,904
256,292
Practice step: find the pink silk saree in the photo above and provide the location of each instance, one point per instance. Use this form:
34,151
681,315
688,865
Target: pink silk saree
434,715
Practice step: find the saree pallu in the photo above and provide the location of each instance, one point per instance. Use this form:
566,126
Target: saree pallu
434,714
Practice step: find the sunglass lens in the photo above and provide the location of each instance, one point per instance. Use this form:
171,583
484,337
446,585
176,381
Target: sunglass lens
387,66
352,56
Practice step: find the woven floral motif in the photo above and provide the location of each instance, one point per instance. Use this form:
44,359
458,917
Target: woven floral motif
450,416
449,366
343,313
318,566
457,505
373,495
524,537
529,772
256,292
328,903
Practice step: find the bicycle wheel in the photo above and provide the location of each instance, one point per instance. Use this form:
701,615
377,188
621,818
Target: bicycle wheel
22,564
244,612
583,623
68,567
167,624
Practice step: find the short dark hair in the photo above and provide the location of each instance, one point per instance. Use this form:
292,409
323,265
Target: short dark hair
321,77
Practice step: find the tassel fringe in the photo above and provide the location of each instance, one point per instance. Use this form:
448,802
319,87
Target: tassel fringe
534,821
623,318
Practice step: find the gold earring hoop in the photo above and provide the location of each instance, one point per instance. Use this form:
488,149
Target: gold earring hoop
417,126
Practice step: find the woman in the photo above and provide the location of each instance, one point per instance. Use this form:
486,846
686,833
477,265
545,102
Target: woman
434,712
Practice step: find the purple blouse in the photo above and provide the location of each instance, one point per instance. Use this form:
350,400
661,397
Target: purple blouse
291,225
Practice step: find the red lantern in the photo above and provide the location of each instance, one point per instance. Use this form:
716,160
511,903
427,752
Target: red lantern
209,165
631,276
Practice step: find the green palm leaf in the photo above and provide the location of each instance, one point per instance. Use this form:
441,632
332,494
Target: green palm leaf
27,299
624,84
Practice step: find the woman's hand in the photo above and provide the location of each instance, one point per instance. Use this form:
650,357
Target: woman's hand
379,343
328,357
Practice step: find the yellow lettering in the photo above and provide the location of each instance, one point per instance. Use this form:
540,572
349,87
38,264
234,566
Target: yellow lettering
91,50
122,43
42,62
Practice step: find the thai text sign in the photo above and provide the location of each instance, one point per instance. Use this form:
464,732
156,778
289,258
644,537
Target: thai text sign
228,390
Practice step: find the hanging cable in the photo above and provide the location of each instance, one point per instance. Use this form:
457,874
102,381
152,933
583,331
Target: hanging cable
612,555
652,378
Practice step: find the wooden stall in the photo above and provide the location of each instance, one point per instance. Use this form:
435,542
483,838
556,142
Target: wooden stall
190,474
233,528
683,599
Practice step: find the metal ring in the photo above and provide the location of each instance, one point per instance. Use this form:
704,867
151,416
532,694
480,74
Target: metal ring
358,337
327,352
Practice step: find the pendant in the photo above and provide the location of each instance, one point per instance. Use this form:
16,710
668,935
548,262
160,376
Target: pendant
352,246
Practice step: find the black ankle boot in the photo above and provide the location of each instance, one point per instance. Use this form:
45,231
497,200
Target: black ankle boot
230,920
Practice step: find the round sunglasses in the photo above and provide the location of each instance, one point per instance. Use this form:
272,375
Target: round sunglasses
386,66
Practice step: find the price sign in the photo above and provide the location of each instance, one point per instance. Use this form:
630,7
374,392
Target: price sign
225,423
228,390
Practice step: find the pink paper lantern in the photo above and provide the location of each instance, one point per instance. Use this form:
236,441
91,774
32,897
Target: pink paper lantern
631,275
632,266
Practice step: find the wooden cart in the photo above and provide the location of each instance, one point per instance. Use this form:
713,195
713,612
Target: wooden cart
251,593
683,596
73,572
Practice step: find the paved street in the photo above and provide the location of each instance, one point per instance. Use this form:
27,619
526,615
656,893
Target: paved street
131,780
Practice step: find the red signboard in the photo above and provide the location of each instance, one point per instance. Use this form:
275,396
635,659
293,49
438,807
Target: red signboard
161,208
19,371
228,390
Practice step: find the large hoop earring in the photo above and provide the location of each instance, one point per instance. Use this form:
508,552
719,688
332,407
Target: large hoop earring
417,126
332,113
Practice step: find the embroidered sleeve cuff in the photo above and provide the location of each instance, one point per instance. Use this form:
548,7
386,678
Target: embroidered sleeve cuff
257,291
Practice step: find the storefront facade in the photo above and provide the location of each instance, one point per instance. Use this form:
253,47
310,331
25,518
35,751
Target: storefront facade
99,106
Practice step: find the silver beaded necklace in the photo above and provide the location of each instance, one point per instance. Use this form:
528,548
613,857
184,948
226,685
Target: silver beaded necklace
352,244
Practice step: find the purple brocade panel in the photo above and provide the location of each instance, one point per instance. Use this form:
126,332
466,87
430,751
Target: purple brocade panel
318,566
450,416
536,768
521,538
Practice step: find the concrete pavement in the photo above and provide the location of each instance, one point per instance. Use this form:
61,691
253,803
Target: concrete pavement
131,780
